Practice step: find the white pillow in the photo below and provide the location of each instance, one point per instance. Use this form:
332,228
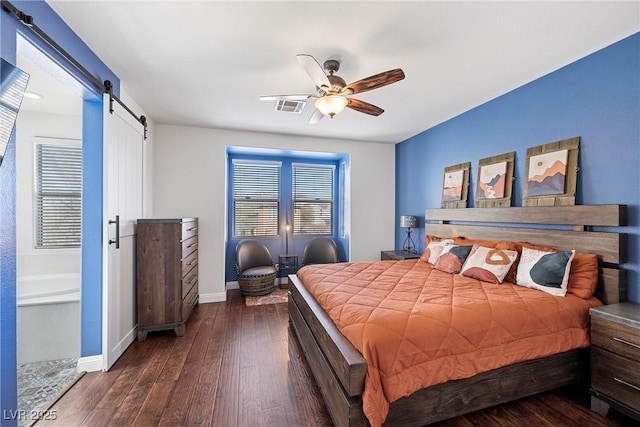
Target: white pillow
546,271
489,264
434,249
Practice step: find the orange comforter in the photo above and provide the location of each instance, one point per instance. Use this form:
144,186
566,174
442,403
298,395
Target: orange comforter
417,326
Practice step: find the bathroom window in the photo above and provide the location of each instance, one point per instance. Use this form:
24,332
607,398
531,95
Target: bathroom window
58,186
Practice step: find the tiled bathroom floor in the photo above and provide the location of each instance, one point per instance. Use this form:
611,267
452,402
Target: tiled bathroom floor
39,383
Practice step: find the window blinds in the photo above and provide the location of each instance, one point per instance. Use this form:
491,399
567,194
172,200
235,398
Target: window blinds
58,196
313,199
256,199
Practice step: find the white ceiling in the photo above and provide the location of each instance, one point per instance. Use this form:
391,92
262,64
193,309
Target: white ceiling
205,63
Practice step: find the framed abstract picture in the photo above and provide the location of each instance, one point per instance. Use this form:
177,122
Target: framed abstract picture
495,181
551,174
455,186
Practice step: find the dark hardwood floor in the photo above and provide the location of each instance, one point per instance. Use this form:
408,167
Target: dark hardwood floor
243,366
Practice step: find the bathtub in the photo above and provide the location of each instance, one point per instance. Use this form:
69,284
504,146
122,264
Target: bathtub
48,289
48,317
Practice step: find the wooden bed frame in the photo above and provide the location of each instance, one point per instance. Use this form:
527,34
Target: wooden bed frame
339,369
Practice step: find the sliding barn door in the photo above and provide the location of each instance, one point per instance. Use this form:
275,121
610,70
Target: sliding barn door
123,141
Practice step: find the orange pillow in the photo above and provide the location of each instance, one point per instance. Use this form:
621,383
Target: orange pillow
583,276
534,247
479,242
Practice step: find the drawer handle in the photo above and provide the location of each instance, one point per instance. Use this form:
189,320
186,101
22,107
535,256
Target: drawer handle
191,229
635,387
192,261
191,245
620,340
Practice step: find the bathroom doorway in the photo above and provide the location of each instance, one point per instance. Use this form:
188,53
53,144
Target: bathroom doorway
48,224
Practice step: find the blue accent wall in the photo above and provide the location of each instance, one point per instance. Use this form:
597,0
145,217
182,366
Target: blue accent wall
596,98
92,209
91,343
8,355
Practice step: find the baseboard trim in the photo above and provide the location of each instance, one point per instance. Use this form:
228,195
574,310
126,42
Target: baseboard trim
213,297
232,285
90,364
125,342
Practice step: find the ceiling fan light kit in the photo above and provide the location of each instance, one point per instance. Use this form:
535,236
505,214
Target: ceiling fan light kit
333,91
330,105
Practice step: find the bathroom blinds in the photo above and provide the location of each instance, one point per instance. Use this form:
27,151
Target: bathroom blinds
58,170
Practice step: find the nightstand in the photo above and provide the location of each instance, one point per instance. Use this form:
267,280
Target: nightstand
287,263
615,359
398,255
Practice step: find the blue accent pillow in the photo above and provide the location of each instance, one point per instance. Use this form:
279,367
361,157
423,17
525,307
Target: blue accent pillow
546,271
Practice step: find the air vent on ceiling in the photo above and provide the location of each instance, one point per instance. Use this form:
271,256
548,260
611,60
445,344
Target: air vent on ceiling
290,106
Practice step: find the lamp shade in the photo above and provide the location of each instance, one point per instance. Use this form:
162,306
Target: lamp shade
408,221
331,105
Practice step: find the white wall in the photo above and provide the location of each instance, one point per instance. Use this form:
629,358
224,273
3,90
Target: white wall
31,129
189,179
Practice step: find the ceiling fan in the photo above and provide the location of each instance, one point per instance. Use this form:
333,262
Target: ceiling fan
333,92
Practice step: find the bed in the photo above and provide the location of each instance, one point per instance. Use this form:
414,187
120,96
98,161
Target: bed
340,369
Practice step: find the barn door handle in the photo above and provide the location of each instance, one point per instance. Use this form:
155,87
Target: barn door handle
117,223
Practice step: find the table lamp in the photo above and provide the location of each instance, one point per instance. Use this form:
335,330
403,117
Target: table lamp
409,222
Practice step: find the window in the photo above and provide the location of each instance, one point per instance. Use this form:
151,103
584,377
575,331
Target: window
256,198
58,196
312,199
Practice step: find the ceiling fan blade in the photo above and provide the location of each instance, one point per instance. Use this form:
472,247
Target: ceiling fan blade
285,97
316,117
375,81
314,70
364,107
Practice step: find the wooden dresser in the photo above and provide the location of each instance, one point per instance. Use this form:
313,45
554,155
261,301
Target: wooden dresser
167,277
615,359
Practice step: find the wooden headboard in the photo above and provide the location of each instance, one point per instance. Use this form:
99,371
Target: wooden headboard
558,227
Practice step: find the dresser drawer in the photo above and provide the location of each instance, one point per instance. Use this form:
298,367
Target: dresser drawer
615,376
189,245
189,262
615,337
190,301
189,229
189,280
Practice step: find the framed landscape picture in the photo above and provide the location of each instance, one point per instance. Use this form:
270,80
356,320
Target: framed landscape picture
455,186
491,180
495,181
551,174
452,186
547,173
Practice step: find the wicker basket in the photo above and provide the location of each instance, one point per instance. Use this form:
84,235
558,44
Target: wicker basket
256,285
